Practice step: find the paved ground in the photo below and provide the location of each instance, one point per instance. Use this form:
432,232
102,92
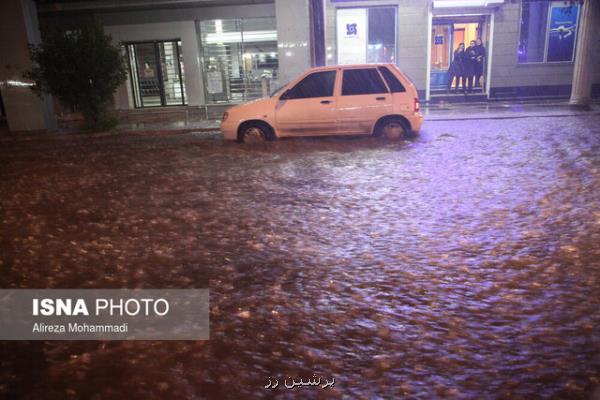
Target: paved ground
464,263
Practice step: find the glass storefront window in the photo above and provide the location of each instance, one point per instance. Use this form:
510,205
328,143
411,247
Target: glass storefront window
382,35
534,19
548,31
366,35
562,31
240,59
156,73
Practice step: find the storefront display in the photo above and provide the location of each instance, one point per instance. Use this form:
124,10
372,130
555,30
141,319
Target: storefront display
557,21
366,35
240,58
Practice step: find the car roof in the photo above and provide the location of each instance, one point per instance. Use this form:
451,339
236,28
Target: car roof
331,67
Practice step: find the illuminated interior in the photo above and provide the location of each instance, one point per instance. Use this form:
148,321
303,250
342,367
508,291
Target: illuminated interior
446,35
240,59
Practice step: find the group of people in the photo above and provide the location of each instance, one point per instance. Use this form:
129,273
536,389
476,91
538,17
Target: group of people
467,66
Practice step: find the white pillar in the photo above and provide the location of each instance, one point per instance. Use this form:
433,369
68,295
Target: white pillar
293,38
25,111
581,91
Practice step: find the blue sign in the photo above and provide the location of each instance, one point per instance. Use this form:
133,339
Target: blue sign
439,39
562,33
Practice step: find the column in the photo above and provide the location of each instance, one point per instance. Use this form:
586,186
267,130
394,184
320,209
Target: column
25,111
581,90
293,38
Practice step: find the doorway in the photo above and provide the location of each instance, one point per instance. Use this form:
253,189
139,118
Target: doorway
447,33
156,73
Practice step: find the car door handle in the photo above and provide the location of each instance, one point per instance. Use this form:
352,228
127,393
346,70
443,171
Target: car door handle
380,98
326,102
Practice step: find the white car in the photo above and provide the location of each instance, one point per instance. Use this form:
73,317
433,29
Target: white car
369,99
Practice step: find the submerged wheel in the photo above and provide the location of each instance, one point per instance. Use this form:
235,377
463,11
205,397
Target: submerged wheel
391,129
255,132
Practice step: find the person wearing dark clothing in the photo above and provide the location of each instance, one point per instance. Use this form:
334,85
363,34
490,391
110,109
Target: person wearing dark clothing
456,69
470,64
480,60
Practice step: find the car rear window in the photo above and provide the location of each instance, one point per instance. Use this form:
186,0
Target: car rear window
318,84
362,81
393,83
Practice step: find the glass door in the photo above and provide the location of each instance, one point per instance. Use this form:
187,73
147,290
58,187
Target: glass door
148,75
441,54
156,73
171,64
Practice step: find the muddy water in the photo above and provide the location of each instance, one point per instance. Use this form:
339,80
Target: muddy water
464,263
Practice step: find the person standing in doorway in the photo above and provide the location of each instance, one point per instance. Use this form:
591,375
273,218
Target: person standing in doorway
470,64
456,69
480,61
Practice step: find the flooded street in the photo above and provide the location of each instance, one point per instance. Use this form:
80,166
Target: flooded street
463,263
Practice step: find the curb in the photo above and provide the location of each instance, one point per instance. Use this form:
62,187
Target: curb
499,117
167,132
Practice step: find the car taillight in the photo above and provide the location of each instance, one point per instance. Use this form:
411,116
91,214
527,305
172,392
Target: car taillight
225,116
417,105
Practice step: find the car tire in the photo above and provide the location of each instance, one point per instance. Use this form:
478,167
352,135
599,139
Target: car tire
255,132
392,128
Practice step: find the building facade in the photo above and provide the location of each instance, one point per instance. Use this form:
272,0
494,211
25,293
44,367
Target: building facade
193,57
529,45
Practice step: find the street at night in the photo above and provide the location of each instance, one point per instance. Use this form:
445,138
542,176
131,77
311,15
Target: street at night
460,263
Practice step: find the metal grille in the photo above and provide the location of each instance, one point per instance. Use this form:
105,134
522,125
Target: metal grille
240,59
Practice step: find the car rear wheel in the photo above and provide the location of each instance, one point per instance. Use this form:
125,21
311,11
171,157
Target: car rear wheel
255,132
391,129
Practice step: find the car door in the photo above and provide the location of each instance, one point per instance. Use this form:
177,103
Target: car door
363,100
308,108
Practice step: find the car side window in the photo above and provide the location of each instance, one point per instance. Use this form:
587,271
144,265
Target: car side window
393,83
318,84
362,81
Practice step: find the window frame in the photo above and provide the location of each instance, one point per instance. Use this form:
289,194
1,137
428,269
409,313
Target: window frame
367,7
385,67
155,43
547,37
333,92
370,67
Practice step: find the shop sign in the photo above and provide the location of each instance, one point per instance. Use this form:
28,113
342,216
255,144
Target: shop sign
352,35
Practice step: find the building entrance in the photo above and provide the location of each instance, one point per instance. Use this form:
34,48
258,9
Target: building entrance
446,36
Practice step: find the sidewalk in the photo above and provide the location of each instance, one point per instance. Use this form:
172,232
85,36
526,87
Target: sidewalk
504,110
432,112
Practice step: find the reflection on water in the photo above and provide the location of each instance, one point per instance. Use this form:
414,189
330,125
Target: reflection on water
462,263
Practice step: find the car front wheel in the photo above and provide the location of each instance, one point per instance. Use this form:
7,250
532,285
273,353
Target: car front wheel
255,132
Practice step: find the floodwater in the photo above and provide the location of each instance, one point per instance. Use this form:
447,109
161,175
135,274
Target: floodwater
463,263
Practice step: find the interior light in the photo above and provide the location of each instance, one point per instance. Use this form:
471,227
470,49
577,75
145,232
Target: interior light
466,3
236,37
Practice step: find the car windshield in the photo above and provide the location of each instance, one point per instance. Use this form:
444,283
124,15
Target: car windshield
278,90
